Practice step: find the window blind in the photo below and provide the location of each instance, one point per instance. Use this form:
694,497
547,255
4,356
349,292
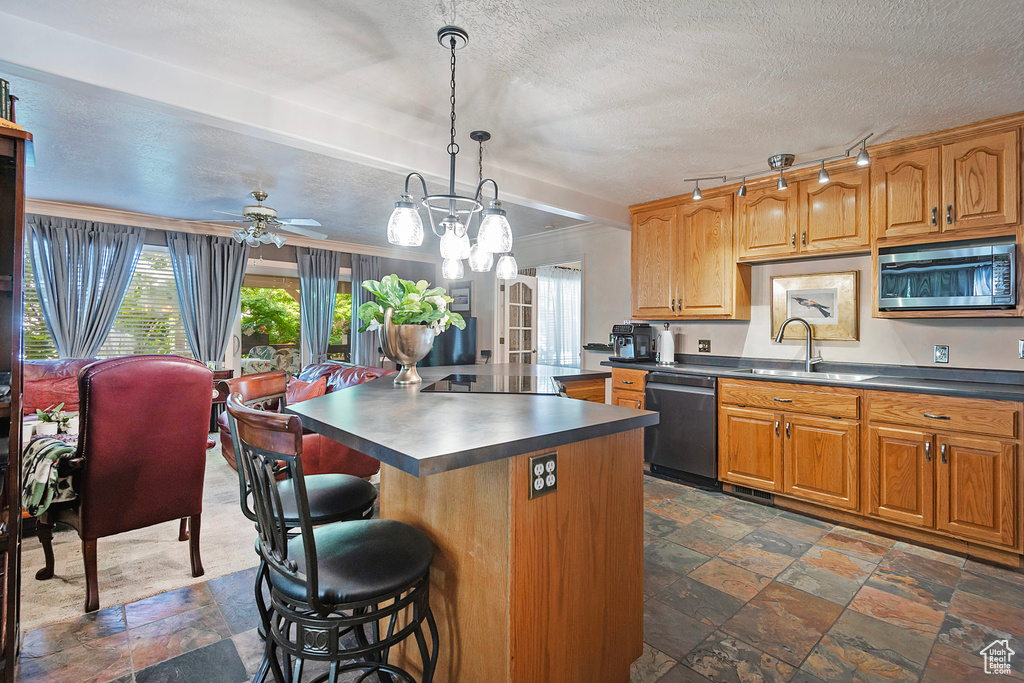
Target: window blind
148,322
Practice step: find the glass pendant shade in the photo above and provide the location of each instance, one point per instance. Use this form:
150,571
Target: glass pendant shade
239,235
405,228
862,157
507,269
279,240
252,241
266,238
495,233
453,246
823,174
480,260
451,269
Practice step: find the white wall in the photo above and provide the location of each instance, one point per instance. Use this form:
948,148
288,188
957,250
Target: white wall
973,343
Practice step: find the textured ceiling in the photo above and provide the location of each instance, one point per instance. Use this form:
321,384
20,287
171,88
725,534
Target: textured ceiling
93,147
620,99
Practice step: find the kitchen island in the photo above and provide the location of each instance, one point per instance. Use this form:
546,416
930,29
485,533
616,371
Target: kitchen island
524,589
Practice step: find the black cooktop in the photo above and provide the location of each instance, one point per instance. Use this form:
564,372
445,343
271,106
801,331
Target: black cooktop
495,384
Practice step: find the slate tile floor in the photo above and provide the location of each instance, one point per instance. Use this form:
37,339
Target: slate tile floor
734,591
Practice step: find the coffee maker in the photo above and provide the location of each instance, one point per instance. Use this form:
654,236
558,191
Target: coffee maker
632,342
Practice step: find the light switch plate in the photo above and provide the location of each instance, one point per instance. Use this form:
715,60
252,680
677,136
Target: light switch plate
704,346
1020,349
941,353
543,474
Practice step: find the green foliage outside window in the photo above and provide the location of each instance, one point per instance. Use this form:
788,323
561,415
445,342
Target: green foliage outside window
270,311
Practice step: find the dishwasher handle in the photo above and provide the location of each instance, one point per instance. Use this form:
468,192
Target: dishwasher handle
679,379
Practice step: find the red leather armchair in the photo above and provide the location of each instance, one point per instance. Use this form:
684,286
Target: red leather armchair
320,455
141,455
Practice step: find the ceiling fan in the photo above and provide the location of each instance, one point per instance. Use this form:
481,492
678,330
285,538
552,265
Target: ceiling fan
262,218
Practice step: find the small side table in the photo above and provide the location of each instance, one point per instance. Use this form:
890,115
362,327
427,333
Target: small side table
219,397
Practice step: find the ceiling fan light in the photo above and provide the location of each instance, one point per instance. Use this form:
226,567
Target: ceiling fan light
266,238
862,157
405,227
823,176
480,260
252,241
507,268
279,240
238,235
451,269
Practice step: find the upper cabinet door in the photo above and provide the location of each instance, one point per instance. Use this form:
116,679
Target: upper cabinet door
980,182
834,215
708,268
909,193
767,223
653,252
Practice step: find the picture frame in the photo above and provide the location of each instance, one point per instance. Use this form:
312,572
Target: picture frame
462,298
828,301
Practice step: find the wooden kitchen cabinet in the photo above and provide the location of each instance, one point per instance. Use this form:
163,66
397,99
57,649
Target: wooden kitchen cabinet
750,448
970,183
834,215
900,475
977,488
822,460
653,266
628,387
766,221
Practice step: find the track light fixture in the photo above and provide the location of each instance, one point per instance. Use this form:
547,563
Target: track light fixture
780,162
823,174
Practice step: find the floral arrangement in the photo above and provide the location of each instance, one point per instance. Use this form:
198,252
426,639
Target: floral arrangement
414,303
56,414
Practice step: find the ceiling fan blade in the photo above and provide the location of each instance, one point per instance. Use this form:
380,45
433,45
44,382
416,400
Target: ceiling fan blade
302,231
227,213
309,222
217,220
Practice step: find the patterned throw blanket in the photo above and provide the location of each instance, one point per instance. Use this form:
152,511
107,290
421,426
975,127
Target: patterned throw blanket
41,486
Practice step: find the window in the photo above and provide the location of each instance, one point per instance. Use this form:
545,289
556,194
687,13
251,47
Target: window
149,320
559,307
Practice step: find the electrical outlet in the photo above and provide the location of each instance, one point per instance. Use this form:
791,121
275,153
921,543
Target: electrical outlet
941,353
704,346
543,474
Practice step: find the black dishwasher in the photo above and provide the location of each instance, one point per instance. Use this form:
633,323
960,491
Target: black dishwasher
684,443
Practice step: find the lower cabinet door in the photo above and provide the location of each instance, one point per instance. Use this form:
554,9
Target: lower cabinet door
822,460
749,448
900,475
627,399
977,488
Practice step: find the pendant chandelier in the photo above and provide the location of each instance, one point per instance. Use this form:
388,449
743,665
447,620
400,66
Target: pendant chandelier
456,212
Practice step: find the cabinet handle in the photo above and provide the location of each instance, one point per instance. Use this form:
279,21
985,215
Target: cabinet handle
626,382
949,214
928,451
679,305
935,215
787,429
793,240
937,417
942,449
784,400
776,428
673,305
638,404
803,238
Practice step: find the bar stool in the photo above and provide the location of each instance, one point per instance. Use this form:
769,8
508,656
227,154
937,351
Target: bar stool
337,579
332,497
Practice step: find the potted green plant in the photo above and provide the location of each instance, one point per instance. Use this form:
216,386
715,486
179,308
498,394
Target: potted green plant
407,315
53,420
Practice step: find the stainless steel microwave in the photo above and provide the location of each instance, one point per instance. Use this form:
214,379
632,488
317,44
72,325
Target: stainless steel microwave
969,274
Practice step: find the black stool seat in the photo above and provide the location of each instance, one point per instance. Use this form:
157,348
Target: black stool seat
332,498
359,560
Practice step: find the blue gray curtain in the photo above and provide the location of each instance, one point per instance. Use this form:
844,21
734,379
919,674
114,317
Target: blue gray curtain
318,278
365,345
82,272
208,273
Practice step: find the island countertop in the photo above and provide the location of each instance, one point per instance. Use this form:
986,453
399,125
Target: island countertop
430,432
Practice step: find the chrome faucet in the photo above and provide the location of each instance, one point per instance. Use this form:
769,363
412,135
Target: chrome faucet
809,361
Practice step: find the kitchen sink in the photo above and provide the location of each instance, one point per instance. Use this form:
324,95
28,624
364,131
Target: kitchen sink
828,376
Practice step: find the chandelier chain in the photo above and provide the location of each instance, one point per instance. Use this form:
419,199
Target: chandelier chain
480,164
453,147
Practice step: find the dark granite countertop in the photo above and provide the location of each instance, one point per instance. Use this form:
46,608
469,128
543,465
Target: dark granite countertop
426,433
992,384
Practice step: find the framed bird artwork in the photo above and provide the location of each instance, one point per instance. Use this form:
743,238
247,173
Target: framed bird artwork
828,301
